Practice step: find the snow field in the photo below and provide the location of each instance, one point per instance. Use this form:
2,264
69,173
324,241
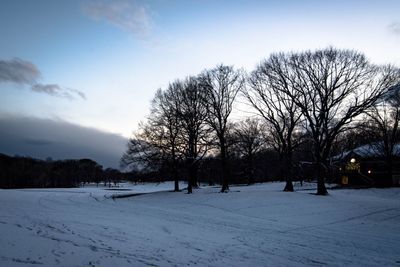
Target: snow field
255,225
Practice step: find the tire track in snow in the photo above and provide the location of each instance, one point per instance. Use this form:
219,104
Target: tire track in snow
340,221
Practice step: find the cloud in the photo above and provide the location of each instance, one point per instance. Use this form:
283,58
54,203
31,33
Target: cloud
394,28
130,16
18,71
56,90
26,73
42,138
79,93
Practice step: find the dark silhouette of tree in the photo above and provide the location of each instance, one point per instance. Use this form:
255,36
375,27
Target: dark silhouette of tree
157,145
89,170
175,131
165,117
194,134
112,175
221,85
382,126
143,149
20,172
270,93
331,88
248,141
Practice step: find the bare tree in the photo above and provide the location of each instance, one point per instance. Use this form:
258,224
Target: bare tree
165,117
191,113
248,136
222,85
270,94
143,150
175,131
157,143
382,126
332,87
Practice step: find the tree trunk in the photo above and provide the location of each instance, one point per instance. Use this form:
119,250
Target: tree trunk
288,173
190,176
175,170
189,188
321,189
189,164
319,160
176,180
225,178
225,181
289,186
176,187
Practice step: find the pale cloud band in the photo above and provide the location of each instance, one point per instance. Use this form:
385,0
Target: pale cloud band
394,28
26,73
56,90
131,16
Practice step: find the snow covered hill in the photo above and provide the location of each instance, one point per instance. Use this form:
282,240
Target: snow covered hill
251,226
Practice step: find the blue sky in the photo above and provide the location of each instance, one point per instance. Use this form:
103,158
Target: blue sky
118,53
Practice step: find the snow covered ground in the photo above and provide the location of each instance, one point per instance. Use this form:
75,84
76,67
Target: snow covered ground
250,226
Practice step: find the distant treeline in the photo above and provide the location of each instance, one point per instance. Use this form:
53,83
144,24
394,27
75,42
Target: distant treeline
25,172
264,166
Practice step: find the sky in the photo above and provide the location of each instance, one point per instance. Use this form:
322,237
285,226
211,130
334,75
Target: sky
96,64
